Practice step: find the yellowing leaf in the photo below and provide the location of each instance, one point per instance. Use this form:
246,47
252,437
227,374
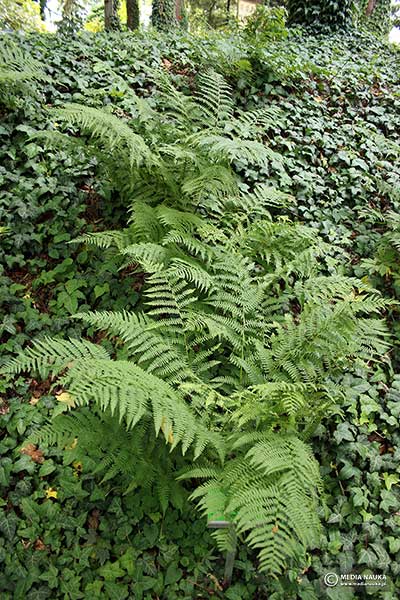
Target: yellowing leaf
34,400
73,445
66,398
51,493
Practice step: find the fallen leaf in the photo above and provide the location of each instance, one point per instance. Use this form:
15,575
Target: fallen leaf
94,519
34,400
39,545
167,64
34,452
66,398
215,582
4,407
77,466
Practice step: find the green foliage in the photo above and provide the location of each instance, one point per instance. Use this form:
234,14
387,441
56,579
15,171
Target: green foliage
335,94
22,15
68,534
377,17
212,325
17,71
72,16
328,14
267,22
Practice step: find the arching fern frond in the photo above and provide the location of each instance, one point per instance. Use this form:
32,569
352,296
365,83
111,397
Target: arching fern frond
50,356
234,149
17,66
269,494
249,123
131,393
111,132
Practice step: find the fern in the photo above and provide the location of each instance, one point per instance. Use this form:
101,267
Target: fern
17,66
215,99
269,494
240,341
110,132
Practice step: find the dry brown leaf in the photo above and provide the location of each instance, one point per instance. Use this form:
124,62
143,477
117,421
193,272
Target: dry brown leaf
34,452
94,519
167,64
39,545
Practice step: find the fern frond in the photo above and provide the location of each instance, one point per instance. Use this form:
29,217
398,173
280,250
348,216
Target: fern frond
152,257
105,239
249,123
219,147
50,356
130,392
17,66
269,494
214,96
212,184
111,132
264,196
162,355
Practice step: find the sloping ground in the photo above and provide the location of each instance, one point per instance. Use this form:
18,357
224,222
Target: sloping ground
338,135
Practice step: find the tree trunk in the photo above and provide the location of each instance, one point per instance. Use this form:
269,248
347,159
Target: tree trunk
108,14
163,14
42,4
377,17
132,14
111,18
370,7
320,14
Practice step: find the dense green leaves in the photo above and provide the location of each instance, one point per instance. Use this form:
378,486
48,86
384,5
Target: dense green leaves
336,95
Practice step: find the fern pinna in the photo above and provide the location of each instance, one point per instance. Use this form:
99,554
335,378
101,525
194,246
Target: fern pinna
238,347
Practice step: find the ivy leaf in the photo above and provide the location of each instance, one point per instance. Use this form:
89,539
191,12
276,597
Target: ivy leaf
390,479
116,591
111,571
389,501
367,557
8,524
173,574
345,431
394,544
41,593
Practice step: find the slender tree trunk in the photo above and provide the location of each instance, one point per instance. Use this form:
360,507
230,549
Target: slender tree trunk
42,4
111,18
132,14
370,7
378,16
108,14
